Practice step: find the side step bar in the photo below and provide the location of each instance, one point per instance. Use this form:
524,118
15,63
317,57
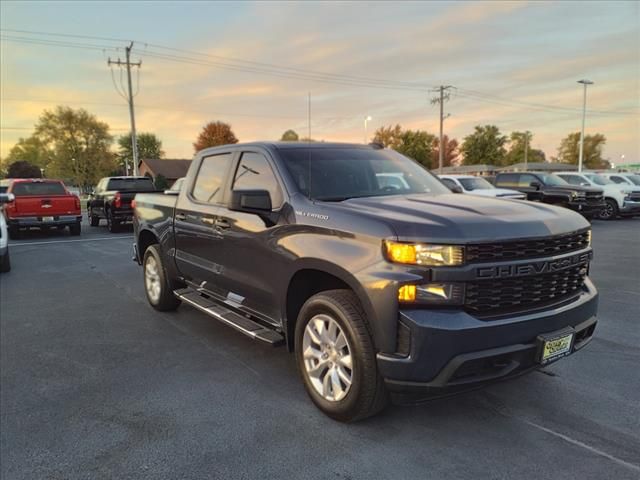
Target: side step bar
219,312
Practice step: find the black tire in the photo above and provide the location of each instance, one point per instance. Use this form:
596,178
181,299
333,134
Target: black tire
14,233
367,394
94,220
610,211
5,262
75,229
166,300
112,224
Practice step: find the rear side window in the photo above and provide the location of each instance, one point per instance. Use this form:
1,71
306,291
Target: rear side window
617,179
254,173
208,186
448,182
507,180
573,179
131,184
23,189
525,180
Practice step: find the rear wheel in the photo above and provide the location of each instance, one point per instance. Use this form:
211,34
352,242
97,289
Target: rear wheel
94,219
336,357
5,262
610,210
14,232
112,224
75,229
156,284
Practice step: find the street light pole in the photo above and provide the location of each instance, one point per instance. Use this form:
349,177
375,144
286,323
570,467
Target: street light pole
366,135
584,82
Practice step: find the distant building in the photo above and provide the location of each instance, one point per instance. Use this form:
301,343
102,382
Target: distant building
171,169
481,169
539,167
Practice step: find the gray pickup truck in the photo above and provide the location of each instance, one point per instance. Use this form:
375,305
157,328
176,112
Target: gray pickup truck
381,290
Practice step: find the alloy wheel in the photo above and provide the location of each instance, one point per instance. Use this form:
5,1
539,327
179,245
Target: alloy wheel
152,279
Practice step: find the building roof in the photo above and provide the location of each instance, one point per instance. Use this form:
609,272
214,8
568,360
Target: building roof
539,166
168,168
468,169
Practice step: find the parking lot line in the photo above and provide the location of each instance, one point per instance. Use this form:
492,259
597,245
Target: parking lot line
70,241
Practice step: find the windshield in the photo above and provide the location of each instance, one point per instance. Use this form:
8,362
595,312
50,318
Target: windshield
598,179
475,184
336,174
131,184
23,189
634,178
551,180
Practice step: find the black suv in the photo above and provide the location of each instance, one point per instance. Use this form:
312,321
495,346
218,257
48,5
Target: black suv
378,286
550,188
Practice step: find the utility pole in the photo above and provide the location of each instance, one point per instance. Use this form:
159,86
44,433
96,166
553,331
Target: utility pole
526,150
584,114
441,99
128,64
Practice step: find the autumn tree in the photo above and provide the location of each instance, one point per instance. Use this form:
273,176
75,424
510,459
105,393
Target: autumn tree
23,169
214,134
568,152
451,152
290,136
388,136
78,145
486,145
149,146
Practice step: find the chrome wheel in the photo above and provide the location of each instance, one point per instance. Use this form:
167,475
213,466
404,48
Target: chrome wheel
152,279
607,212
327,358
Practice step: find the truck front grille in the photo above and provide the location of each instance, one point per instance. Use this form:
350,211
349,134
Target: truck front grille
527,248
495,297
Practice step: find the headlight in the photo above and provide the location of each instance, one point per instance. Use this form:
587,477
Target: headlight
589,237
423,254
432,293
578,195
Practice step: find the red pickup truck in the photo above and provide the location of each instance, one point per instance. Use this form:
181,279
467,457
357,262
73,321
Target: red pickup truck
41,203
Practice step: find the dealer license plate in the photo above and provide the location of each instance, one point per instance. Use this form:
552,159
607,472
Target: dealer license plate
47,219
554,347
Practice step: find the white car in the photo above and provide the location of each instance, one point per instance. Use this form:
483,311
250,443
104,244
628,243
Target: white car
624,178
619,199
479,186
5,262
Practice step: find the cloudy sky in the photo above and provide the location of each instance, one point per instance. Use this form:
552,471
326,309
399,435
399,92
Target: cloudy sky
252,65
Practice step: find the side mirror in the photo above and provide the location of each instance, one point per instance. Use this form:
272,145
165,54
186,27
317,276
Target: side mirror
536,185
456,189
7,197
250,201
585,184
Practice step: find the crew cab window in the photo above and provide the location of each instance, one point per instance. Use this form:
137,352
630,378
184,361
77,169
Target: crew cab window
525,180
208,186
23,189
617,179
573,179
254,173
131,184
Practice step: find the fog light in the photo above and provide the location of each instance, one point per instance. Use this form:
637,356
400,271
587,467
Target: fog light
433,293
407,293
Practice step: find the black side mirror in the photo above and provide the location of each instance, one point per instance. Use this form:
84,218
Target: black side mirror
250,201
536,185
7,197
456,189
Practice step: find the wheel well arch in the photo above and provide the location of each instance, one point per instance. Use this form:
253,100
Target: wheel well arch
146,238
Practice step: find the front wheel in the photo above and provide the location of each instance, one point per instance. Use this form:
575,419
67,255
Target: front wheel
75,229
610,210
156,284
336,357
5,262
112,224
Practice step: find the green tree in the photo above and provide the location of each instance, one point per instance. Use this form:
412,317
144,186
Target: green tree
290,136
484,146
518,142
389,136
149,146
569,149
31,150
418,145
79,145
161,182
214,134
23,169
451,152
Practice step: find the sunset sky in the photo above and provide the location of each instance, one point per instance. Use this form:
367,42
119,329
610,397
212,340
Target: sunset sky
514,65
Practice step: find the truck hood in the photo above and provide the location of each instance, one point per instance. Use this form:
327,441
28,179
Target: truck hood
458,218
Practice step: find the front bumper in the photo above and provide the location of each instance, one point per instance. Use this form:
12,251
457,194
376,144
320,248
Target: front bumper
630,207
56,221
587,209
123,215
452,350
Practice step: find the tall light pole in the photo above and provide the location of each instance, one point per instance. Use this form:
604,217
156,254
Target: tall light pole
367,119
584,82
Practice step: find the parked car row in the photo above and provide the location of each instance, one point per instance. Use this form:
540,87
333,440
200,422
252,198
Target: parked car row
591,194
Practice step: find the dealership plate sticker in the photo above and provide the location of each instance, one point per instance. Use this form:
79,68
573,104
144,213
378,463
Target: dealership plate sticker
555,347
47,219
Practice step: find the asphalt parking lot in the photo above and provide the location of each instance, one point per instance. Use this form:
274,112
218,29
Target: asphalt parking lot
96,384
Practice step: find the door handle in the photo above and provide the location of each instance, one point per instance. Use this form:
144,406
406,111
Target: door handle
181,216
222,223
207,220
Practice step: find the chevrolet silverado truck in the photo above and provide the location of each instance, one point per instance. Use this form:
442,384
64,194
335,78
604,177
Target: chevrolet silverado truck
112,198
550,188
402,292
41,203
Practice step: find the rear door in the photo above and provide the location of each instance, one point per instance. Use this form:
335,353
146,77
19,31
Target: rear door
524,185
42,199
198,242
246,256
